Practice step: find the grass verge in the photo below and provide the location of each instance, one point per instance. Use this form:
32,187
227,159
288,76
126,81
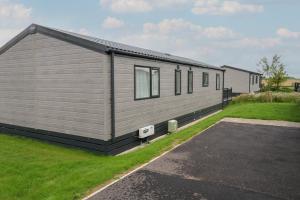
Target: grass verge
36,170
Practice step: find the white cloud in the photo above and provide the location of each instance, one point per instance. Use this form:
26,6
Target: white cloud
168,3
180,37
14,17
215,45
183,27
218,32
112,23
134,6
83,31
14,11
249,42
218,7
7,34
124,6
285,33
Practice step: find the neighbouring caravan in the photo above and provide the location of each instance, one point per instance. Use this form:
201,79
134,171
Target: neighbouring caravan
95,94
241,81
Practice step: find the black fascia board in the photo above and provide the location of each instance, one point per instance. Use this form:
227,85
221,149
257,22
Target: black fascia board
239,69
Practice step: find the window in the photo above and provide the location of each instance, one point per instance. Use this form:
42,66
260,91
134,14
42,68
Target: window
252,79
205,79
146,81
256,79
190,82
218,82
155,82
177,82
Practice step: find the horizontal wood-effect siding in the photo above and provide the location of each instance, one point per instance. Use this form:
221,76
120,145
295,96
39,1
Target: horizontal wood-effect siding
131,114
237,80
52,85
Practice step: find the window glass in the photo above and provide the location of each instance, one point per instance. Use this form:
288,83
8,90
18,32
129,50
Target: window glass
177,82
256,79
218,82
252,79
205,79
155,82
190,82
142,82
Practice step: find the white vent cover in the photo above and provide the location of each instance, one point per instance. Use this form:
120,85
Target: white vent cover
172,126
146,131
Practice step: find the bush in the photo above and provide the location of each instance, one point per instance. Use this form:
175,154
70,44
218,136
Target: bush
286,89
279,97
281,89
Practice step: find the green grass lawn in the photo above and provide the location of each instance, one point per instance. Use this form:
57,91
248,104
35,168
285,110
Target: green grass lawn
30,169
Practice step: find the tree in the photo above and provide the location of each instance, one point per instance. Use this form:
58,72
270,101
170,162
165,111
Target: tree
273,72
266,71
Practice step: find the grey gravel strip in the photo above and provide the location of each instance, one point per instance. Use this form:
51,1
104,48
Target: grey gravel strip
262,122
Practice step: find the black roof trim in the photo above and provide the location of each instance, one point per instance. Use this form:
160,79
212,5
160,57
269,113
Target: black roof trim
239,69
103,46
34,28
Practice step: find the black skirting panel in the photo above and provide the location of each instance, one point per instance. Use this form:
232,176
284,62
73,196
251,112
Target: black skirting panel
119,145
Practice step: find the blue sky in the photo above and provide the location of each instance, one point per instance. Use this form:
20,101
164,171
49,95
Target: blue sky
233,32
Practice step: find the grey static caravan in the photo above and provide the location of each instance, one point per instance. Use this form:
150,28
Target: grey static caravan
96,94
241,81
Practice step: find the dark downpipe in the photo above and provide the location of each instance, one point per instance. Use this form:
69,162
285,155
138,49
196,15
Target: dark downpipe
112,96
249,82
223,90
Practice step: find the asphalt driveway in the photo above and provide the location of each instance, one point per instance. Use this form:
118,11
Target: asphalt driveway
228,161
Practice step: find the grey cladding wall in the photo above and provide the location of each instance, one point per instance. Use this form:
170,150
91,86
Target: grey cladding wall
131,114
53,85
237,80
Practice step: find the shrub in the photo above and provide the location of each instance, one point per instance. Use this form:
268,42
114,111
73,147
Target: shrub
281,89
279,97
286,89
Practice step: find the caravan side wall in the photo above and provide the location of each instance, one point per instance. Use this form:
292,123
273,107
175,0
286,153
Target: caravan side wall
49,84
133,114
237,80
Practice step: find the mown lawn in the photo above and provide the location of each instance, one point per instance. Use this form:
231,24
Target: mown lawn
30,169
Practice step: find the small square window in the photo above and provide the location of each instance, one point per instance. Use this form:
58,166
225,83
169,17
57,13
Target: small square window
205,79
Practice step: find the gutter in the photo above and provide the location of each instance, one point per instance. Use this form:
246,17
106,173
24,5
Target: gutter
249,82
